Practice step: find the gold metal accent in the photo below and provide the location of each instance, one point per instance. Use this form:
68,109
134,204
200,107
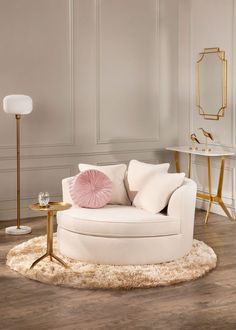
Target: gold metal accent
18,117
193,148
189,165
177,161
194,140
51,208
207,135
220,111
209,197
209,189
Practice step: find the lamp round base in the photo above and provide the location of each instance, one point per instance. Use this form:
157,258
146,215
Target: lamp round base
23,230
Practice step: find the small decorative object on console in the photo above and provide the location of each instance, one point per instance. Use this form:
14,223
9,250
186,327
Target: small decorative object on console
43,199
207,135
195,140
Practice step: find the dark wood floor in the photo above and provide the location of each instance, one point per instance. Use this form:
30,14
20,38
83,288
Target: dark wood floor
207,303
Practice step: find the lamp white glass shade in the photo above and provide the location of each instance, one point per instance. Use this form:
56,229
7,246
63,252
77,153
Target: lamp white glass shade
18,104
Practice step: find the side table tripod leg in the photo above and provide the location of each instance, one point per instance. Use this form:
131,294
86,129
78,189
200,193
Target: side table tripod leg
39,259
60,260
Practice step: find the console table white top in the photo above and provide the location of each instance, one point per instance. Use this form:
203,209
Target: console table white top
213,153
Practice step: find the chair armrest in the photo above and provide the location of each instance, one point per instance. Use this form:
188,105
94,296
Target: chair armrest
182,205
66,191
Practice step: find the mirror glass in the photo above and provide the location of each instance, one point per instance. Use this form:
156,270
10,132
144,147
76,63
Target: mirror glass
211,83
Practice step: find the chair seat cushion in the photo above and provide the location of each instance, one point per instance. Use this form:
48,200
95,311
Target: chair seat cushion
117,221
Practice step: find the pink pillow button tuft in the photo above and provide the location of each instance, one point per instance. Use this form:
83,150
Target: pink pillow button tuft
91,189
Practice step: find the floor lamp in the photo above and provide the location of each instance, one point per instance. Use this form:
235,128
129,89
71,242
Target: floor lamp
18,105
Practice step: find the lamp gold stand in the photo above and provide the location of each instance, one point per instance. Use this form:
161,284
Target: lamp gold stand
51,208
18,229
18,105
209,197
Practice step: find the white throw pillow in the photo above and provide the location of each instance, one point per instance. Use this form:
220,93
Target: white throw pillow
116,173
139,173
155,194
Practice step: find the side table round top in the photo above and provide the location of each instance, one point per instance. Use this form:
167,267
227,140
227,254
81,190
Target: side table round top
52,206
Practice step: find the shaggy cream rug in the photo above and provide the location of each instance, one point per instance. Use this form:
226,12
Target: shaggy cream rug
200,260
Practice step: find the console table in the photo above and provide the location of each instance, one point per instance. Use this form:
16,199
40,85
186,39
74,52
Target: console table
214,153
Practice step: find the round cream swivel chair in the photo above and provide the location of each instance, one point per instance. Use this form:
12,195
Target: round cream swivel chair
123,235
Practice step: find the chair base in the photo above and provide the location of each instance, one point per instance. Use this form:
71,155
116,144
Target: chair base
122,250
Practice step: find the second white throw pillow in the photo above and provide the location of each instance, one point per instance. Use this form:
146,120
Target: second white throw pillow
139,173
155,194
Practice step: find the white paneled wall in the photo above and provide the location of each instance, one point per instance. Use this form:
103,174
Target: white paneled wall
103,75
111,80
128,71
202,24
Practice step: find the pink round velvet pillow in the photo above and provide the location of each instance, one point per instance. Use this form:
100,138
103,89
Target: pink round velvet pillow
91,189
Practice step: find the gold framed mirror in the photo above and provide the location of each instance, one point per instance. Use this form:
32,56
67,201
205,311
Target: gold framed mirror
211,83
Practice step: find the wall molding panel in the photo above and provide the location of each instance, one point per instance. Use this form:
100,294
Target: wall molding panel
69,108
99,51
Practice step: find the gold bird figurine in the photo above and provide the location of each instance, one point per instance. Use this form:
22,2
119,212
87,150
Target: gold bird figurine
207,135
195,140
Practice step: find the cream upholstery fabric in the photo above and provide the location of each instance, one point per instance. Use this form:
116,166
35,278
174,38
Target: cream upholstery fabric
117,221
139,173
112,246
156,192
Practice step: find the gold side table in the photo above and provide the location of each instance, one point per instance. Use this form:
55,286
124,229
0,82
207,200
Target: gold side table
210,197
51,209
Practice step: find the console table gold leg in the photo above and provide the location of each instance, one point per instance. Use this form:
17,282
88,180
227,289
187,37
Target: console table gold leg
218,197
222,204
189,165
221,177
219,190
209,189
208,211
209,174
177,162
